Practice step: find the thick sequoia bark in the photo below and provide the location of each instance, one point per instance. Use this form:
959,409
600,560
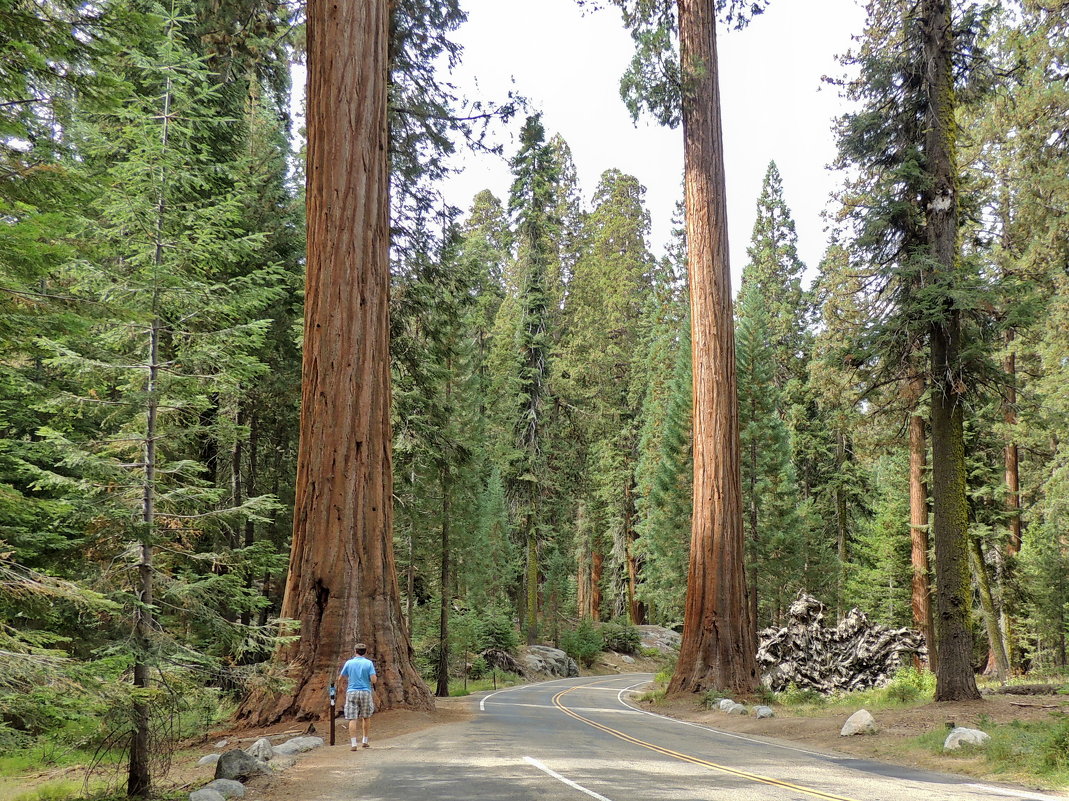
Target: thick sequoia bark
718,648
342,585
918,526
954,678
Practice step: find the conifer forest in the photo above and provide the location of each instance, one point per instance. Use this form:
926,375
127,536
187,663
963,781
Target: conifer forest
265,393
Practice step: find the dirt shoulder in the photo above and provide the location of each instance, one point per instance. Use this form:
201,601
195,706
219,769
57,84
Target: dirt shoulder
897,729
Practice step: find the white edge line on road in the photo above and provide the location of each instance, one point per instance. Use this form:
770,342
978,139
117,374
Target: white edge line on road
620,698
988,788
485,698
568,782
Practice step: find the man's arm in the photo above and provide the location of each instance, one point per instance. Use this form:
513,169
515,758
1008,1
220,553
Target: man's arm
374,678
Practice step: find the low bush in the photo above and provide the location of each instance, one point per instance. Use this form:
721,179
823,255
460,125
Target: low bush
583,643
621,636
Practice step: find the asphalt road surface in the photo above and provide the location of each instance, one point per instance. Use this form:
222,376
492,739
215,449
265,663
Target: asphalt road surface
580,739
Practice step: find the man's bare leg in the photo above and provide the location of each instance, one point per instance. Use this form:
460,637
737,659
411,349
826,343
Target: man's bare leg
352,735
365,724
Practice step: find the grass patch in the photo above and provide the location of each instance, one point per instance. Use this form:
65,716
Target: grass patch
909,687
1033,751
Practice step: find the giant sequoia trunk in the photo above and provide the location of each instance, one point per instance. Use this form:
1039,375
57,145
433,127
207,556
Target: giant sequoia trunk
718,648
342,586
954,677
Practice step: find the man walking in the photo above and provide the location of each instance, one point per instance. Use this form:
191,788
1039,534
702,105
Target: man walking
359,672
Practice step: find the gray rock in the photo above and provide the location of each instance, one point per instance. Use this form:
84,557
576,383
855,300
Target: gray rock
960,735
280,763
206,795
209,759
664,640
725,704
764,712
298,745
222,744
628,659
238,765
261,749
861,722
737,709
541,659
227,788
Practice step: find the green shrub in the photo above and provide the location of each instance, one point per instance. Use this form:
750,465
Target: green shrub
621,636
798,696
582,643
910,684
496,630
1054,750
651,653
710,698
479,668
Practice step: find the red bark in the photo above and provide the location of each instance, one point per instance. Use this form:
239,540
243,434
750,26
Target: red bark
718,648
342,584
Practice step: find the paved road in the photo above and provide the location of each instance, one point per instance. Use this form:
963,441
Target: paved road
577,739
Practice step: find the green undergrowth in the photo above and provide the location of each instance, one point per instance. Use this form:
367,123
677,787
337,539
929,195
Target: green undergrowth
1035,750
908,687
457,687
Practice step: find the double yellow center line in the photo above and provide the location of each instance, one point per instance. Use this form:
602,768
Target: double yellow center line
687,757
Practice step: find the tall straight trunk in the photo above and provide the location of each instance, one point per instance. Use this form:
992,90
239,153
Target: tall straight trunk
751,535
1000,663
918,527
442,690
636,609
718,647
342,585
532,582
596,563
1013,474
954,678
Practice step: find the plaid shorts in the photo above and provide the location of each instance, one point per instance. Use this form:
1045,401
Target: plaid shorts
358,704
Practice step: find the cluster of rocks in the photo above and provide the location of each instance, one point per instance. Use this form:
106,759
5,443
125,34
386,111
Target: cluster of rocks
862,722
854,655
734,708
237,765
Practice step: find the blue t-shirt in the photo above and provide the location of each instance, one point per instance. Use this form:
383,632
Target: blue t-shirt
358,671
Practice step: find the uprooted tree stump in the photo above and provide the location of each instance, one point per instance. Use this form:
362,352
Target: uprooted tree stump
856,654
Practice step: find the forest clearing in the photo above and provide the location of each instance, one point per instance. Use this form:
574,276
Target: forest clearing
267,395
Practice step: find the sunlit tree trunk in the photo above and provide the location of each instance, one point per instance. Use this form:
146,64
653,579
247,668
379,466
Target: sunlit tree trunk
921,587
342,584
718,648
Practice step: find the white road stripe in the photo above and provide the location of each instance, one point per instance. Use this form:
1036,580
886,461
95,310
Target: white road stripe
1016,793
568,782
620,698
485,698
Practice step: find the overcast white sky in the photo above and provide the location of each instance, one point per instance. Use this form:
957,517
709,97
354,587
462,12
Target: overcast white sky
569,65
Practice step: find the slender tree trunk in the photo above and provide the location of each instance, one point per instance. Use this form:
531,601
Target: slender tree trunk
987,605
918,527
596,562
442,690
954,679
636,609
532,580
342,585
718,648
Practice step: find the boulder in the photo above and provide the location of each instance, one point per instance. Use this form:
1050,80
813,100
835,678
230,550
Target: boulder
227,788
208,759
861,722
664,640
298,745
764,712
280,763
222,744
261,749
725,704
499,659
961,735
206,795
236,764
737,709
628,659
543,660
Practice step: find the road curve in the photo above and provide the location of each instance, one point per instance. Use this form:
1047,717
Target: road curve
580,739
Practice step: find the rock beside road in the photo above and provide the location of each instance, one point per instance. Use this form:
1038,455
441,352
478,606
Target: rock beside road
206,795
762,712
261,750
227,788
664,640
208,759
298,745
960,735
861,722
543,660
237,764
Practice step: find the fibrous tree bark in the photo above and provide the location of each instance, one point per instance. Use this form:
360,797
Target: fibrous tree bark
921,586
954,678
718,648
342,585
